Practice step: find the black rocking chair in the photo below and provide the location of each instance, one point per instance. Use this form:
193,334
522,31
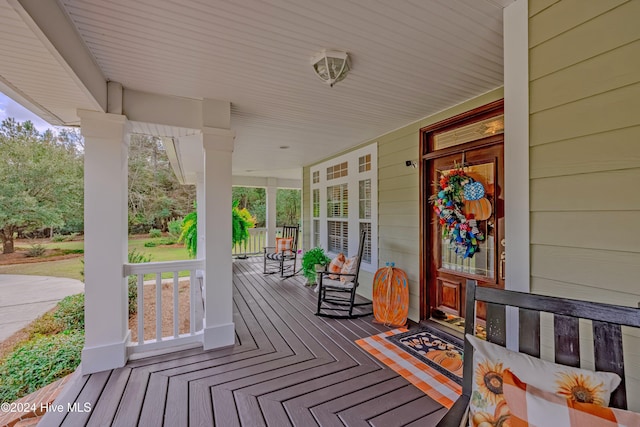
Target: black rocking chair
329,290
283,262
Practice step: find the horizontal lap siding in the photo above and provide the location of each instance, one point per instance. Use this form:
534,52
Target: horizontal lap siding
399,196
584,62
399,199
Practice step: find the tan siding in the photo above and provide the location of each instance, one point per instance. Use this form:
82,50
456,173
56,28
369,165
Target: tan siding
604,112
588,192
398,198
610,230
611,70
606,151
399,182
399,195
565,15
594,37
585,159
537,6
553,288
406,232
410,153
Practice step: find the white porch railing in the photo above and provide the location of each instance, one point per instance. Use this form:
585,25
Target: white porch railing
255,244
196,307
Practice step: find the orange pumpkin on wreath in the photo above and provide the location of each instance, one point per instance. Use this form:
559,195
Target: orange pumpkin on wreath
480,208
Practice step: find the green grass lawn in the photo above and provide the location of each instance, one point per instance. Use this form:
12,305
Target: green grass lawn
71,267
64,268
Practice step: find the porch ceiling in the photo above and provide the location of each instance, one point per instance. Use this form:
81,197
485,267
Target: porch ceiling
410,59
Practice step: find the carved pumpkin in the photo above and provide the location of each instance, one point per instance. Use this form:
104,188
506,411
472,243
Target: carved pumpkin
481,208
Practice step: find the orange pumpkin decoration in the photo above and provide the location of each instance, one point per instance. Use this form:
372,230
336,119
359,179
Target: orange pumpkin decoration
447,359
391,296
481,208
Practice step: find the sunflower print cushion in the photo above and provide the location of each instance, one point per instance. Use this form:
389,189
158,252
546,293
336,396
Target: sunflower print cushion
488,407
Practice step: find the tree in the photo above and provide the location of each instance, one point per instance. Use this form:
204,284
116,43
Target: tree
252,199
287,207
41,180
155,195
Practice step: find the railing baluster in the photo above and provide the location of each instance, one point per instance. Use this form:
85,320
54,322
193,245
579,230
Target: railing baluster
176,317
173,337
192,302
140,308
158,306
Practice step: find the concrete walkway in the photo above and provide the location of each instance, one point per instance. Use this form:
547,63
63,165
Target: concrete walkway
25,298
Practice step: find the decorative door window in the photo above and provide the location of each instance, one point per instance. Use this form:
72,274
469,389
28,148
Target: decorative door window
464,205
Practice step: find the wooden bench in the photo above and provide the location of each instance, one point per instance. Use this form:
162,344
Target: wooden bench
607,321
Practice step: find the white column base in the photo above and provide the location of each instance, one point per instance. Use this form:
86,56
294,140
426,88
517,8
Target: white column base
105,357
219,336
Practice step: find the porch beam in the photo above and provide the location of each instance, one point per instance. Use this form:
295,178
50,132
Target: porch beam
105,227
175,111
52,26
261,181
219,329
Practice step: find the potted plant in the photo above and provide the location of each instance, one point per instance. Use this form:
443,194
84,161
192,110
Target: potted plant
310,259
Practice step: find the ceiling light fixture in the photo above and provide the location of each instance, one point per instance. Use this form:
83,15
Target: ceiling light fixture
331,66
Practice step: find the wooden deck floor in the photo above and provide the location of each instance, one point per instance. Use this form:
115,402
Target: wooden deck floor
288,368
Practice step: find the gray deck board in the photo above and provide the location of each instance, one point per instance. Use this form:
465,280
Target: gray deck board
288,368
153,407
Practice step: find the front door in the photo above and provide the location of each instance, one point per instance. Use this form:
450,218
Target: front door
463,237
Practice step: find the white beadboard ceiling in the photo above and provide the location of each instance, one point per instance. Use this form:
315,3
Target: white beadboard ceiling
32,74
410,59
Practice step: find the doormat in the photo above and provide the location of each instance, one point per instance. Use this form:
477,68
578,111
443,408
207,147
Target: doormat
432,382
438,349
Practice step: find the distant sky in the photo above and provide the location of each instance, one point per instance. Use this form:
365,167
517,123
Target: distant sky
10,108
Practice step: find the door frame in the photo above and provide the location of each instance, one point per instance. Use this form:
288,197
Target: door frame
495,108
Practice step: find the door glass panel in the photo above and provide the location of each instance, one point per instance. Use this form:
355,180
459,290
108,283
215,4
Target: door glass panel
483,262
468,133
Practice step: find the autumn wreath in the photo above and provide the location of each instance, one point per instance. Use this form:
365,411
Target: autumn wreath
460,229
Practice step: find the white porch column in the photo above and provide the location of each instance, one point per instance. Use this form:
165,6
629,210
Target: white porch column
216,218
272,191
105,244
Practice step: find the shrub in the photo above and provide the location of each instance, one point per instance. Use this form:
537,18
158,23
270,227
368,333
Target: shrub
47,324
70,237
36,250
70,312
39,362
71,251
158,242
58,238
175,228
154,232
135,257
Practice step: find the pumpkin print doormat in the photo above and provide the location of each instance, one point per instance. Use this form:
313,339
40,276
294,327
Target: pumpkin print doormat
431,381
436,348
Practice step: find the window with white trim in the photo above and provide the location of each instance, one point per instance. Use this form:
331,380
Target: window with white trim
344,202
